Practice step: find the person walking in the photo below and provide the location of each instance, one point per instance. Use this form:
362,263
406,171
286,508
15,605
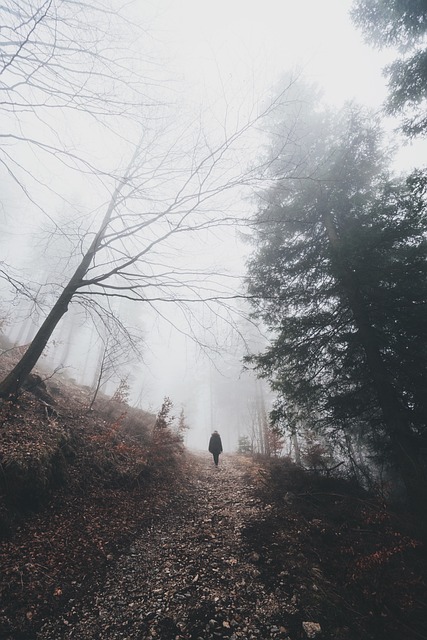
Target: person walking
215,446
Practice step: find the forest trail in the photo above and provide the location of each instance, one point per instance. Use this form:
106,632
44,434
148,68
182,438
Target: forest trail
188,575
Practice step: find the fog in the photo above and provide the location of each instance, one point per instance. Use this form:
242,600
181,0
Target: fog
204,71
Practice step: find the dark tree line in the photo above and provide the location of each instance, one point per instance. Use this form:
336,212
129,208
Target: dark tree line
339,276
339,270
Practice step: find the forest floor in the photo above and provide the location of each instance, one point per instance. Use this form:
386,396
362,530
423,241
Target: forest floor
230,557
110,532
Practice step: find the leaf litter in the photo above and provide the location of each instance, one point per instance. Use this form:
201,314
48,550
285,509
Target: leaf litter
226,554
187,575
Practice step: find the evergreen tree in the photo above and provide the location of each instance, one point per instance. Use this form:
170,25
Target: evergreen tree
339,277
164,419
182,426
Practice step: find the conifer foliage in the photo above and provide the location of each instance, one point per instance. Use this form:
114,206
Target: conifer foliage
338,275
402,24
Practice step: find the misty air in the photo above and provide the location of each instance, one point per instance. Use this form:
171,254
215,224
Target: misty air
213,312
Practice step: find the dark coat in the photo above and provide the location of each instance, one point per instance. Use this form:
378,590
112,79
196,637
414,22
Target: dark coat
215,444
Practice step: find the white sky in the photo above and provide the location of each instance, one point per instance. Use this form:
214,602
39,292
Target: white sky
238,49
245,39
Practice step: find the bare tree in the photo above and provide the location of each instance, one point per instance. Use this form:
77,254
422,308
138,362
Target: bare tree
70,57
114,354
129,254
73,76
129,239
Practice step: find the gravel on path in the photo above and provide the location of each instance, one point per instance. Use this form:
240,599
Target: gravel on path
188,574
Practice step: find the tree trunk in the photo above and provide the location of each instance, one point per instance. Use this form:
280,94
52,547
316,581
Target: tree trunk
10,386
263,425
99,378
396,417
14,380
295,445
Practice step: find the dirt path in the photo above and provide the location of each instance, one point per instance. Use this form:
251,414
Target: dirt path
188,575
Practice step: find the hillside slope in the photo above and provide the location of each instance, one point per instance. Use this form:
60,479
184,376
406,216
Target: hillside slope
75,486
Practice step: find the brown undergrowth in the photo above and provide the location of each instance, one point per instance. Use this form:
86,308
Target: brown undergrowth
75,487
343,557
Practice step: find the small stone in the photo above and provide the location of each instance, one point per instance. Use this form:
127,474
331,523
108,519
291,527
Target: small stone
312,629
